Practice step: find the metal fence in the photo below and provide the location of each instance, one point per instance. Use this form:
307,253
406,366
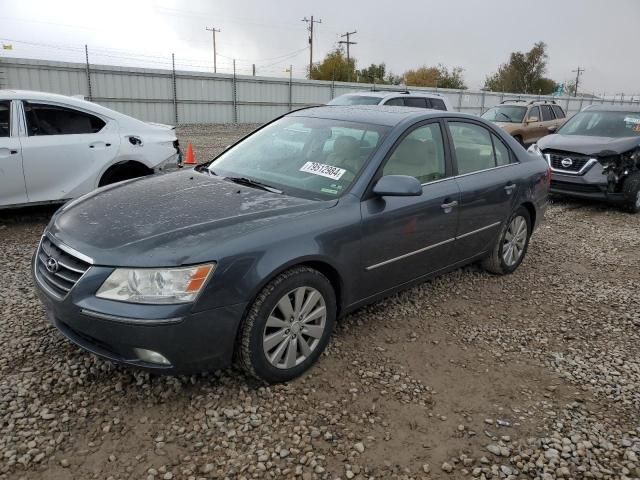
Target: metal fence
170,96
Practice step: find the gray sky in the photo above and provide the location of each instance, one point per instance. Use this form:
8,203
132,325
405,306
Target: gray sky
600,36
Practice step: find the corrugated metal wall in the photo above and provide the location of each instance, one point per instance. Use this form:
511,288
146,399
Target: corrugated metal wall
202,97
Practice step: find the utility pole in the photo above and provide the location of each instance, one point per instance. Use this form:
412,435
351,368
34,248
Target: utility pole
579,72
348,42
310,21
213,30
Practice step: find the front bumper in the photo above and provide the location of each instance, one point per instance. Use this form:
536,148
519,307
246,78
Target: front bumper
589,184
191,341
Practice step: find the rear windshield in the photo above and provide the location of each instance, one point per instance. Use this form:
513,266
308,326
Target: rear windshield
355,100
505,113
603,124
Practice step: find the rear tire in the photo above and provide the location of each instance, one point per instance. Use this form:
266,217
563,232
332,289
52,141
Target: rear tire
631,192
288,325
124,171
511,247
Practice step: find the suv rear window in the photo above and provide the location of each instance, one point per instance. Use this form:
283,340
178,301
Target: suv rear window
418,102
547,113
438,104
558,111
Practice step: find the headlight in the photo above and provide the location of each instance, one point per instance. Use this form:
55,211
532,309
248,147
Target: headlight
535,149
155,285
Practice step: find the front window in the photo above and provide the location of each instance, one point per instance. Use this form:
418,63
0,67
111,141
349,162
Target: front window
505,113
603,124
313,158
355,100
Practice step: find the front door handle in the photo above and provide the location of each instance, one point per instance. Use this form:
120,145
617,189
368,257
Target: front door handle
448,206
509,188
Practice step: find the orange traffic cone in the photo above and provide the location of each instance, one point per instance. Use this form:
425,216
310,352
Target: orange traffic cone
190,158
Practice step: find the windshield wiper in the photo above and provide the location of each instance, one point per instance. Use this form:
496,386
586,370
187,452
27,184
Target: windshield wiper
254,183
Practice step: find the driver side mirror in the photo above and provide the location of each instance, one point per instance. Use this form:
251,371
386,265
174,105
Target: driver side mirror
532,119
398,186
552,128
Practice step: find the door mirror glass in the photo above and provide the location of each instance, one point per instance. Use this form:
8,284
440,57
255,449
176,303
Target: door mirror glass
398,186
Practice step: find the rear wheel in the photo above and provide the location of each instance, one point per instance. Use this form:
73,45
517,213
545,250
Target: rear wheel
631,192
288,326
511,247
124,171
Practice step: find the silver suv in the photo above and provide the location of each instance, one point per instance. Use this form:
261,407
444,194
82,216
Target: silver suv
403,98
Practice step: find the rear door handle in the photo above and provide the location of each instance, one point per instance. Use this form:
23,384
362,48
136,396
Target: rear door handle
509,188
447,207
13,152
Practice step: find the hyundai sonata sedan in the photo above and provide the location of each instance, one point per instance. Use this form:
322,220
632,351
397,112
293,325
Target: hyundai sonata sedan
253,256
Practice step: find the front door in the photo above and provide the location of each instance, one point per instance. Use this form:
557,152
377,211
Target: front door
488,182
64,150
12,186
404,238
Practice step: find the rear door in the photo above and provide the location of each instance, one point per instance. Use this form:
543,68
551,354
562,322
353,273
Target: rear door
548,119
560,116
534,129
12,186
488,181
65,149
404,238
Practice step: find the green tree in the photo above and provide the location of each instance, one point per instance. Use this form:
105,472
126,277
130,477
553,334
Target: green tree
334,66
438,76
523,73
373,74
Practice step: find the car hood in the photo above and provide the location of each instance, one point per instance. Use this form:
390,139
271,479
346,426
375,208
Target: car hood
169,219
587,145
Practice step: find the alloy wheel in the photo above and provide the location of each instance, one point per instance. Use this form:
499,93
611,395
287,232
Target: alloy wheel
515,240
294,327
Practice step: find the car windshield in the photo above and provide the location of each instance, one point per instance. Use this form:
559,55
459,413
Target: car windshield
505,113
313,158
603,124
355,100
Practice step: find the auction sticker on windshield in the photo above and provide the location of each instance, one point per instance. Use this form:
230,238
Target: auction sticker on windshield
323,170
635,120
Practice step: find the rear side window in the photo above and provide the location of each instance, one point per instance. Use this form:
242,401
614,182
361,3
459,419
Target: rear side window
438,104
5,119
473,147
43,119
419,102
558,111
398,102
501,151
547,113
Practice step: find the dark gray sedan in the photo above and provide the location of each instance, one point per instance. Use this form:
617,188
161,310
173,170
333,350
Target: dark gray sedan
253,256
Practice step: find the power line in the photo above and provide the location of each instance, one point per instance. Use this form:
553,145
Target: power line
310,21
213,30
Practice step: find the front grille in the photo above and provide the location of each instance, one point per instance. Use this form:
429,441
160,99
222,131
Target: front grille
556,158
575,187
64,269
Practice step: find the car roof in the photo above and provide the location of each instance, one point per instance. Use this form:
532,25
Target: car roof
613,108
375,114
394,93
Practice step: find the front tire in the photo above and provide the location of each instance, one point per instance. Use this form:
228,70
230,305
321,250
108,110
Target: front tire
631,192
511,246
288,325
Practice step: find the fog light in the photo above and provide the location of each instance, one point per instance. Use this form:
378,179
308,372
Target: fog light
151,356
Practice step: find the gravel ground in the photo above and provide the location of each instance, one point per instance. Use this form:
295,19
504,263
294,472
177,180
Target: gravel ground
534,375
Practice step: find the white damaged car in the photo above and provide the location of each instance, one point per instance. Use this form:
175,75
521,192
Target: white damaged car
54,148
